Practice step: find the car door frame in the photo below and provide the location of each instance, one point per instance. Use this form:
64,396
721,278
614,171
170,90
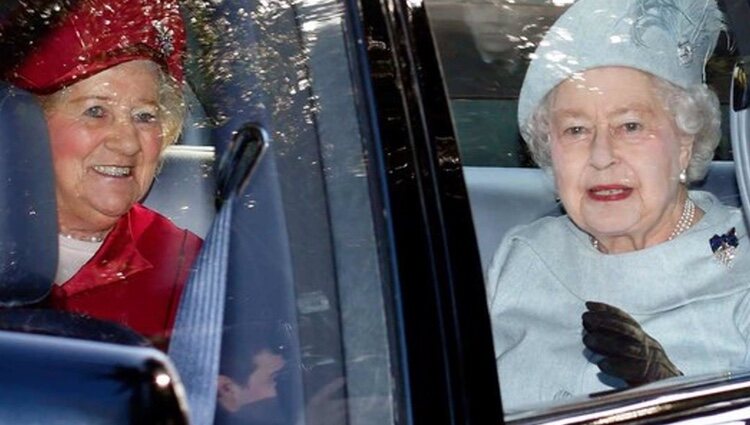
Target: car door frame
447,358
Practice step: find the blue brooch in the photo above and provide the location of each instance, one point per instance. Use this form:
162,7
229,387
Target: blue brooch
724,247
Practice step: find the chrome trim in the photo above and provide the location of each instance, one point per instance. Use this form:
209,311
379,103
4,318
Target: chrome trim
713,399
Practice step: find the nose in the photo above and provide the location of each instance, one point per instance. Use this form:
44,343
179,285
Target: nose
602,154
124,138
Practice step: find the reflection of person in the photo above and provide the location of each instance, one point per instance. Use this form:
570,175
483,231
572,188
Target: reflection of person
499,31
253,395
251,362
257,378
108,76
614,107
489,27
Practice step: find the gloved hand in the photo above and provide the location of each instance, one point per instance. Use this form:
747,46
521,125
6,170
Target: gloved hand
629,352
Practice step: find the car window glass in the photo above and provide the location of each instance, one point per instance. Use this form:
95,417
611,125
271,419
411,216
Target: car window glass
484,49
304,334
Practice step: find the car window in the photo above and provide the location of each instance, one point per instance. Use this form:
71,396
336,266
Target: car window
484,51
297,331
304,335
315,299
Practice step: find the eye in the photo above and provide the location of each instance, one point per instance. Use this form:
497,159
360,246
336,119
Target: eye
94,112
632,127
575,130
145,117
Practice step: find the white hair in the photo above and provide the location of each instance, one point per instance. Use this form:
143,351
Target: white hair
695,112
172,107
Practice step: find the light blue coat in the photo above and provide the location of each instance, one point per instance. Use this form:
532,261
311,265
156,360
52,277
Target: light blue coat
542,273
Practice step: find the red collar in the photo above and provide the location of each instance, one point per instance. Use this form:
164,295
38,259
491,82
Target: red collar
117,258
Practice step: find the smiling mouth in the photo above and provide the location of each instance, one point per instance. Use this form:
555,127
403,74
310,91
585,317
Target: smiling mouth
113,170
609,192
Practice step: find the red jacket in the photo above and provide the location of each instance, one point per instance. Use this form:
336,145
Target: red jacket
137,276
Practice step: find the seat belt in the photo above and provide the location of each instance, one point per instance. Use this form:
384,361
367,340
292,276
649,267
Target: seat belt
196,339
195,344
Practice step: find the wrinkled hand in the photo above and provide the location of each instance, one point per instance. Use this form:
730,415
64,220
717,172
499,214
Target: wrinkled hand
629,352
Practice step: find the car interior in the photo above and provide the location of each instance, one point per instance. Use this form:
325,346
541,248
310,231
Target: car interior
28,218
28,225
483,47
483,75
254,278
184,189
501,197
228,289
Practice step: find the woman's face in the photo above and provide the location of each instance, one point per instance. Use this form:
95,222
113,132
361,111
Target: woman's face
617,155
106,138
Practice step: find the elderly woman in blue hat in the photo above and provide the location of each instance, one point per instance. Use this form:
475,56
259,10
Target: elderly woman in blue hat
642,279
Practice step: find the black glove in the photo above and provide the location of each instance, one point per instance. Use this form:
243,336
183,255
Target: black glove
629,352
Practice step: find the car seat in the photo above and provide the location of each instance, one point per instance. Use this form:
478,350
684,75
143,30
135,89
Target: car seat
28,215
44,343
184,188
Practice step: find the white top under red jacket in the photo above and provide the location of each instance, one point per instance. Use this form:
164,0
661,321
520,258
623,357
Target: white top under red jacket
136,277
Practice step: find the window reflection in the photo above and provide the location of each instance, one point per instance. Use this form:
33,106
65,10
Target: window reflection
251,372
484,48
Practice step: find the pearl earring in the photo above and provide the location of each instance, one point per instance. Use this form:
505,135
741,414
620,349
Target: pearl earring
683,177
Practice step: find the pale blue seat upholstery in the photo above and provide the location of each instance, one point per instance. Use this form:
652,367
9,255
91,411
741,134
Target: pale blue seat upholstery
184,188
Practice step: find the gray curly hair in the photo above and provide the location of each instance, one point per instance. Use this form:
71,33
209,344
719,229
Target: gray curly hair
695,112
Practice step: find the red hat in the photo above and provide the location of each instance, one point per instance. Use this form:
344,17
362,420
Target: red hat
99,34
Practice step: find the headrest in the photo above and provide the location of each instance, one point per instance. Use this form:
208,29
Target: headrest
28,214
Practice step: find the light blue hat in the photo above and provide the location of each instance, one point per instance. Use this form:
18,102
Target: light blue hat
671,39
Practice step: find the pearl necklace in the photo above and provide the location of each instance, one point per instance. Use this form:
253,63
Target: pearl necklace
686,219
93,239
685,222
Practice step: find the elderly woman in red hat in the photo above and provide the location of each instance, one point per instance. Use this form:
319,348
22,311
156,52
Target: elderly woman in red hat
109,78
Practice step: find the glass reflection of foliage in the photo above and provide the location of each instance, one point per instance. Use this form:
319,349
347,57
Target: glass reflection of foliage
241,64
23,22
719,67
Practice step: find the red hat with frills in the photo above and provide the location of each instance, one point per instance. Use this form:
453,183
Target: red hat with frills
98,34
